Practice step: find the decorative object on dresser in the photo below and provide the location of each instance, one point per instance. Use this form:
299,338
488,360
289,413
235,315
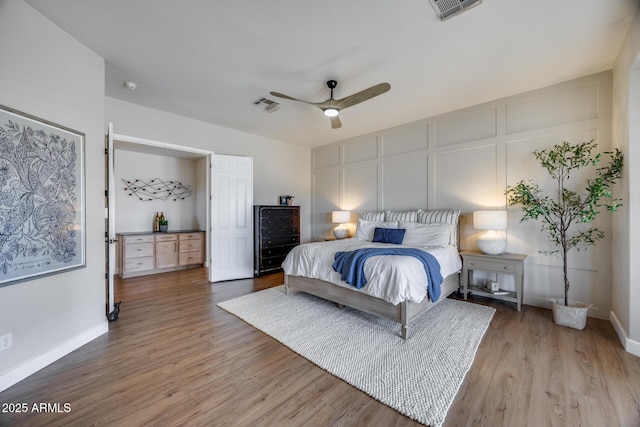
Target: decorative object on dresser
150,253
512,264
163,223
491,242
287,200
340,218
276,232
568,205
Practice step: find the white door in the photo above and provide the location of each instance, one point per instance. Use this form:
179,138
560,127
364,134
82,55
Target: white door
231,218
110,216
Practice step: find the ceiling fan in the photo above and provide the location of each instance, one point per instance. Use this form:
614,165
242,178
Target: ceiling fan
331,107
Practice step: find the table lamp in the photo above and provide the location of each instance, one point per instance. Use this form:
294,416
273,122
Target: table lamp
340,217
491,242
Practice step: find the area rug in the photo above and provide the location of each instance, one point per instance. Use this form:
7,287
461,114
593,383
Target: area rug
418,377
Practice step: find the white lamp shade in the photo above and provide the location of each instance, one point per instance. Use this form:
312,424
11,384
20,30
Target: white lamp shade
490,220
340,217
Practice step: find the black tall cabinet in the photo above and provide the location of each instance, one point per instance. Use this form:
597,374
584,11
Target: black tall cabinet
277,231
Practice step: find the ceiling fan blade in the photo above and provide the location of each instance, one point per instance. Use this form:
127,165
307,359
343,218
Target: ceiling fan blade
362,96
340,104
281,95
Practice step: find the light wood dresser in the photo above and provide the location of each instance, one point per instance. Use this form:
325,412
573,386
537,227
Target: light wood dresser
144,253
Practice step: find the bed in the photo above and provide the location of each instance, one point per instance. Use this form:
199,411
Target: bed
396,286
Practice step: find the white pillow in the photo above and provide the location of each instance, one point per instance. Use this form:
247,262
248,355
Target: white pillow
366,229
372,216
433,234
450,217
411,216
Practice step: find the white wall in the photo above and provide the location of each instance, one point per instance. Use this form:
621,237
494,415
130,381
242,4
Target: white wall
278,168
465,160
48,74
201,195
133,214
625,315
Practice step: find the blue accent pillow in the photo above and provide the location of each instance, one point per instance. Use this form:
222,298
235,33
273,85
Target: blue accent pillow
388,235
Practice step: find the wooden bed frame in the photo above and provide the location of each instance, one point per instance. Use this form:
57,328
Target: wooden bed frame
402,313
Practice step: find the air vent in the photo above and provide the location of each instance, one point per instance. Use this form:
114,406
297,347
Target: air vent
270,106
446,9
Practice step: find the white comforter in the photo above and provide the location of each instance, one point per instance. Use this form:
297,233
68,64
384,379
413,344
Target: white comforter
392,278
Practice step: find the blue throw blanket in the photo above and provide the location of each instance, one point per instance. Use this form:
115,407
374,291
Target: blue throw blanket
350,265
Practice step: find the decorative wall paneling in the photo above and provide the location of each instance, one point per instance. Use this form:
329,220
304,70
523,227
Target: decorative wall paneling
465,159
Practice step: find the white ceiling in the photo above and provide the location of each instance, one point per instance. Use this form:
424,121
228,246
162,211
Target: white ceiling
210,60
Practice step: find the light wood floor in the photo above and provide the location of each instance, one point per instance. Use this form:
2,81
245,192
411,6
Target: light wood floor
174,358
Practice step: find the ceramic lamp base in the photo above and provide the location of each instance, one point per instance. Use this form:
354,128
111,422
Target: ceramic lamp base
492,243
340,233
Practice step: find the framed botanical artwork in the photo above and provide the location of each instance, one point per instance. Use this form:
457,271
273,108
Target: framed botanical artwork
42,200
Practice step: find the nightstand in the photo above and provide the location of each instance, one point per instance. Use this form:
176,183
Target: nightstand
502,264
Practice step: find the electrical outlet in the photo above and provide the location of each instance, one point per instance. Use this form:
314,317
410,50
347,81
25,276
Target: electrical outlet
6,342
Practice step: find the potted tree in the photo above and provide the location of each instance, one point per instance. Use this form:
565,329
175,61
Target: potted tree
561,212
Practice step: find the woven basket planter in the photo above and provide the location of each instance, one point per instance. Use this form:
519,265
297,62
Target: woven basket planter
573,315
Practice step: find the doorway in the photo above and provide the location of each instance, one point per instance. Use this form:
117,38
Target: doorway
117,143
228,193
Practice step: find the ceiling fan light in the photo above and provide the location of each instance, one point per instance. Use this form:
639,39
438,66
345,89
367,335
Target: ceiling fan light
330,112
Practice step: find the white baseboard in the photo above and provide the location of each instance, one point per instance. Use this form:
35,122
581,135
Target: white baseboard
633,347
629,345
622,335
34,365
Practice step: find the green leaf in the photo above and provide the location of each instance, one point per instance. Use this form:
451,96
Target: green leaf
559,212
